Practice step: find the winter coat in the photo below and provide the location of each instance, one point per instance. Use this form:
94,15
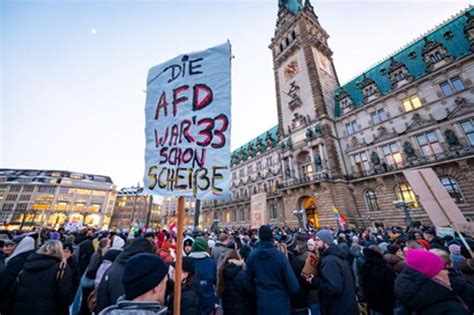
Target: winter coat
300,300
270,275
42,288
124,307
466,267
236,300
107,261
94,264
335,284
190,302
2,261
85,250
396,263
462,288
418,293
219,252
76,279
110,287
378,280
206,276
8,277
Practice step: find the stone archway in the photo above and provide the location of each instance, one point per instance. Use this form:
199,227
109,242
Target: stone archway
308,204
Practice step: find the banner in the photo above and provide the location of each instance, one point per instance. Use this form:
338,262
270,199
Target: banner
258,210
188,125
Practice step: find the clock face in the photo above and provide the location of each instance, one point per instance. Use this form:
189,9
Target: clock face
291,69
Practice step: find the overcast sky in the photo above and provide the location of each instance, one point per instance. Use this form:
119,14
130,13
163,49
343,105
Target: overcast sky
72,73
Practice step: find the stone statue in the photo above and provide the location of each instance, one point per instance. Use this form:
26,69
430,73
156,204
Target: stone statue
408,150
317,160
309,133
374,158
451,138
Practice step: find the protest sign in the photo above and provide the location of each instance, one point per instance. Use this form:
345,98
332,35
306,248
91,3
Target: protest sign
258,210
188,125
311,265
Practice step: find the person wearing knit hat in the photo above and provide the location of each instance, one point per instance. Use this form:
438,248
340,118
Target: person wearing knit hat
144,282
334,280
424,286
206,269
265,233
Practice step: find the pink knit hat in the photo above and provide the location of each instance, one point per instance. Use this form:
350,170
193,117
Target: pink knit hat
424,262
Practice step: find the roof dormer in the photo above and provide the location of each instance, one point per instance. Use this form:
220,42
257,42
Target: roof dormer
398,73
369,89
435,55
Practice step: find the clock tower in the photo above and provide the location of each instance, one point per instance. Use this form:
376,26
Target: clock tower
305,78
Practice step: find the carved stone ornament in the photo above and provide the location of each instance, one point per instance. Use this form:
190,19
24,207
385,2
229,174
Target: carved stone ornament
294,94
408,150
374,158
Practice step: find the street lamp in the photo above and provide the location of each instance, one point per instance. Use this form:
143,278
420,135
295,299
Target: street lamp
299,214
405,207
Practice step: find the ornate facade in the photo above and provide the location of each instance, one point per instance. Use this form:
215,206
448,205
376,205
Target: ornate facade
346,145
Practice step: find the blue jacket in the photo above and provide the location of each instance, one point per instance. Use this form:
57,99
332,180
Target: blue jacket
206,273
269,274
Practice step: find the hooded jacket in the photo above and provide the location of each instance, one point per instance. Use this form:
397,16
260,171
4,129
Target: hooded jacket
111,287
418,293
235,300
270,275
335,284
38,289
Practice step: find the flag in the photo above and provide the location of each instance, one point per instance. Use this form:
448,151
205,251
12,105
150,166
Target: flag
338,215
172,227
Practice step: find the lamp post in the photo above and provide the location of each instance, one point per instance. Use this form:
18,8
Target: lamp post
405,207
299,214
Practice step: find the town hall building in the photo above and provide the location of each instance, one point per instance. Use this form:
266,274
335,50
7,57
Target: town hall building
345,146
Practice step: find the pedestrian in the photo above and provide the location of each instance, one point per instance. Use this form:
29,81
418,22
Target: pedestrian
424,286
334,280
110,287
220,249
187,245
377,279
14,264
190,303
455,252
300,301
5,251
395,258
230,286
270,275
144,286
72,263
206,274
44,286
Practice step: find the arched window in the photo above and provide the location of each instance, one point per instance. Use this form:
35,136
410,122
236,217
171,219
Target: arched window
371,200
453,188
405,193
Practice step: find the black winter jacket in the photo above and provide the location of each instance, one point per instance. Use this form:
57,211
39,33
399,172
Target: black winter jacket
378,280
418,293
42,288
236,300
110,287
463,288
300,299
335,284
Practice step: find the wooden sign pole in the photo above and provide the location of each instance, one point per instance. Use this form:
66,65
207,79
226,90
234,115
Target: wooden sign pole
179,259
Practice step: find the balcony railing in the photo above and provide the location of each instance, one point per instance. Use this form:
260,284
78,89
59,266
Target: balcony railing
306,179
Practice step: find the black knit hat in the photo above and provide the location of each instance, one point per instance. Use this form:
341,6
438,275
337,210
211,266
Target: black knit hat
265,233
142,273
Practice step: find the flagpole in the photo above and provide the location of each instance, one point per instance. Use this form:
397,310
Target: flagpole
179,259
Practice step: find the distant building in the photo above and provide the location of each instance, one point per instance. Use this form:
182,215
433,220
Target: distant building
346,145
170,210
52,198
131,209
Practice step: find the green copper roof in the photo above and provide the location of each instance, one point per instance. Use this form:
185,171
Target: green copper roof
266,140
455,42
294,6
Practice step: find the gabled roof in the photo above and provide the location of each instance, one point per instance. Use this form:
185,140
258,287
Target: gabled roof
450,34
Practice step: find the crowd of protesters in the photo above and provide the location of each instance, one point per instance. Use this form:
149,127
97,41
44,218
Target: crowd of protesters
237,271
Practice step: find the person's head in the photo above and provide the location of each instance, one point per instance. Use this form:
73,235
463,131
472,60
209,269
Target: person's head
265,233
144,278
412,244
311,245
8,247
67,250
418,235
187,268
187,245
444,255
104,245
429,234
428,264
200,245
52,248
224,238
324,239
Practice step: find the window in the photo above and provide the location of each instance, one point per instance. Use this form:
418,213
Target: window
273,212
405,193
429,144
11,197
269,161
378,116
21,206
234,215
371,200
352,127
25,197
451,86
468,128
259,165
392,155
411,103
399,76
3,188
7,207
453,189
15,188
370,91
249,170
436,57
61,206
241,172
46,189
28,188
361,162
40,206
